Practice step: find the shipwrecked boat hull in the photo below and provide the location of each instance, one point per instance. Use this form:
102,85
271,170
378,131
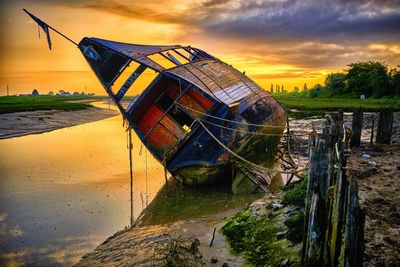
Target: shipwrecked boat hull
201,118
254,143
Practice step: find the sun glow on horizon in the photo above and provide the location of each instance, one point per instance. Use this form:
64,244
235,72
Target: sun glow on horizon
27,63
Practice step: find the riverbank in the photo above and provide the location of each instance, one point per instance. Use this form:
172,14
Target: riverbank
11,104
138,246
40,121
378,181
378,178
303,102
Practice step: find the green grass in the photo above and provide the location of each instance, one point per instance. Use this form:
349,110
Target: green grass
10,104
302,101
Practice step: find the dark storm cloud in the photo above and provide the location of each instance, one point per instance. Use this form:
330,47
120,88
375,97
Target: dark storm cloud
303,33
308,20
274,20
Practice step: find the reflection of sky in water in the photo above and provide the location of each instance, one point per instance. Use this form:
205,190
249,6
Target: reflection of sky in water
64,192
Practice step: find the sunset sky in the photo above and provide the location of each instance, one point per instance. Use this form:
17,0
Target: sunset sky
289,42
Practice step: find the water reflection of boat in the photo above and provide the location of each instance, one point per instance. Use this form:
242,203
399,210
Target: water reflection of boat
175,202
200,117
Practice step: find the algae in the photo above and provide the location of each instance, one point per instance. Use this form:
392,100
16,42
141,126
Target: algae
295,195
179,252
295,225
259,239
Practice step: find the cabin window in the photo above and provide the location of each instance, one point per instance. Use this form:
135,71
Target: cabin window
112,65
140,83
176,112
167,112
162,61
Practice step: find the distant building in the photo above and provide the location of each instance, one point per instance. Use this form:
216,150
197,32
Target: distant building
305,88
272,88
35,92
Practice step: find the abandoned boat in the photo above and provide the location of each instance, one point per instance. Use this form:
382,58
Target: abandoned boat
200,117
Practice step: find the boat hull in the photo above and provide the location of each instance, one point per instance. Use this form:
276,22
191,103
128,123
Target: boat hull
255,144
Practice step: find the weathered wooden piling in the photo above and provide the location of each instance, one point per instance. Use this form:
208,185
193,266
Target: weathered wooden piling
356,127
334,221
371,140
352,254
385,126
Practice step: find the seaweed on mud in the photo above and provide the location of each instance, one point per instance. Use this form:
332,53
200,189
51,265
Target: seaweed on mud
177,252
295,195
259,240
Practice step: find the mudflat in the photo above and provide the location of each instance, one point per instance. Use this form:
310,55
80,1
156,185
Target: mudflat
40,121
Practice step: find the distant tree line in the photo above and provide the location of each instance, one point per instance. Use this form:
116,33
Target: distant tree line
371,79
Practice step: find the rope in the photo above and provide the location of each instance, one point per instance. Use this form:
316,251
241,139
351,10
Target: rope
240,157
222,119
248,132
238,122
147,192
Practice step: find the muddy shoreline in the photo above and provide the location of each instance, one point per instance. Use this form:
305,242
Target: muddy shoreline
41,121
136,246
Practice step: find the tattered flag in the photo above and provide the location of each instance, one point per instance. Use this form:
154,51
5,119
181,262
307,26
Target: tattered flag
43,25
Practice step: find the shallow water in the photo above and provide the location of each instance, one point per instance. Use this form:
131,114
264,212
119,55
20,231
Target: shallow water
64,192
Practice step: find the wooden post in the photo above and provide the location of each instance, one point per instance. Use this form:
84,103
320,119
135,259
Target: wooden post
354,231
371,140
316,201
385,125
334,221
338,209
357,127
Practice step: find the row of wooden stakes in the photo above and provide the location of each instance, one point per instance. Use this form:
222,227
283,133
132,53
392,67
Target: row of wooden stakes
334,220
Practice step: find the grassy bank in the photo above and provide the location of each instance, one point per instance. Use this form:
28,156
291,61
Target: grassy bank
304,102
10,104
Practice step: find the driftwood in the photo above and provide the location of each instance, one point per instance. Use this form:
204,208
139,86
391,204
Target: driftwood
334,221
212,238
